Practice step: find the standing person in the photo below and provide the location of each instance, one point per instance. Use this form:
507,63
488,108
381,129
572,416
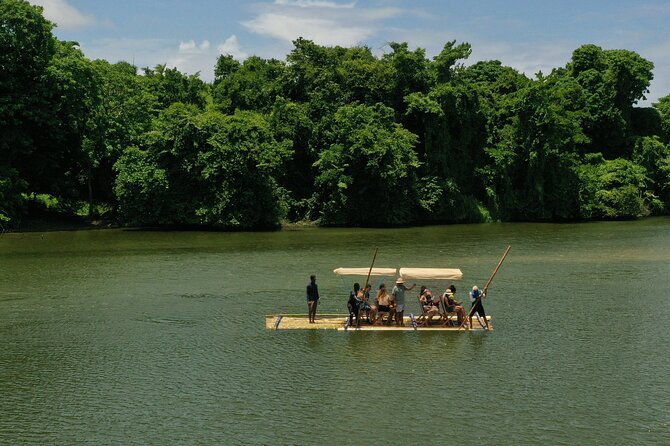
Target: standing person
398,294
476,297
312,297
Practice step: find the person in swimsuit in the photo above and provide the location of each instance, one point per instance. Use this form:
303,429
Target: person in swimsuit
365,307
430,308
383,305
453,306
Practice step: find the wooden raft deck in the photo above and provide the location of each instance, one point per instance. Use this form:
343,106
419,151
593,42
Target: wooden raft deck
337,322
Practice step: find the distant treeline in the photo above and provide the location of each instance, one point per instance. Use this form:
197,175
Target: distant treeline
333,135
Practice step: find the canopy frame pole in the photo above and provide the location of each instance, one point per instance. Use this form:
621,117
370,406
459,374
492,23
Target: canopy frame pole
367,282
486,288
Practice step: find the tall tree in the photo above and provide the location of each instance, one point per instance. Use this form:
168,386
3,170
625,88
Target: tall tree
531,174
409,73
613,80
123,113
290,121
367,175
253,85
60,166
203,168
26,49
169,86
663,107
613,189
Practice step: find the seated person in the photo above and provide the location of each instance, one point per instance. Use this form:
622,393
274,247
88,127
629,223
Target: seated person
353,304
452,305
383,305
364,306
430,308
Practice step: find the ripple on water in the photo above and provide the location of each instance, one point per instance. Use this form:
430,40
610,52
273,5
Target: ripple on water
134,350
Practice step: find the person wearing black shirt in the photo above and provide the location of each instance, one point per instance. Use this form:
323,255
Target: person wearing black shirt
354,304
312,297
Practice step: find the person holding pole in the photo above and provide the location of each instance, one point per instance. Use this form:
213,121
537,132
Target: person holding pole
312,298
486,287
476,297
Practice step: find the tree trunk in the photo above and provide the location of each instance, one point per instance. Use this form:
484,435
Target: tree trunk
90,193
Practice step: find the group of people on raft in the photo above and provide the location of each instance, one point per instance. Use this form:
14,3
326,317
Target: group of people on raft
389,308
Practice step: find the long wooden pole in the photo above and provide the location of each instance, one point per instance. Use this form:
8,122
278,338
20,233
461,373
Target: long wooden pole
486,288
367,279
367,282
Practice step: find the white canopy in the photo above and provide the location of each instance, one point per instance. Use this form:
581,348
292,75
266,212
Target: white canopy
431,273
364,271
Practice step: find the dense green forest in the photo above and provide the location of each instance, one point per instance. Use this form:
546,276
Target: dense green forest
331,135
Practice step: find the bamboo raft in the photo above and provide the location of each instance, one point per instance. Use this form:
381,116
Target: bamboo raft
339,322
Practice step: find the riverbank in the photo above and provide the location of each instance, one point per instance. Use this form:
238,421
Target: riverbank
59,223
55,223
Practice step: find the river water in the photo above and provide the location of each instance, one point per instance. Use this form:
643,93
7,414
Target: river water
134,337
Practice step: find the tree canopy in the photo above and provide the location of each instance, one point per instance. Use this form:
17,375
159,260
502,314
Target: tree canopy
340,136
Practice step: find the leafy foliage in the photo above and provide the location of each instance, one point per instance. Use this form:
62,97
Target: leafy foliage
26,50
367,175
613,189
203,168
663,107
333,134
253,85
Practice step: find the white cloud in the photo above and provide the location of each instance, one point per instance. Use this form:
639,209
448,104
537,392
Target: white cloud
187,56
64,15
323,21
528,58
323,31
141,52
369,16
314,4
192,47
192,58
232,47
186,46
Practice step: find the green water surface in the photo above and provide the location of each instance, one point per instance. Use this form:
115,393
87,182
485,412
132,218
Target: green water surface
135,337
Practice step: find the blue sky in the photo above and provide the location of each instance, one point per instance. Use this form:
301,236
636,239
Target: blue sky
527,35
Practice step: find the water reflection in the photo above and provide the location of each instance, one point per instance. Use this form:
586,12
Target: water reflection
315,338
